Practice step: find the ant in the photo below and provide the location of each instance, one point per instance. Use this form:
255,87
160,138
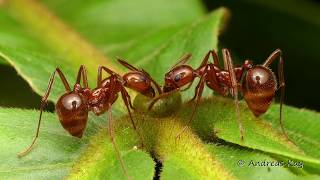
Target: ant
257,83
73,106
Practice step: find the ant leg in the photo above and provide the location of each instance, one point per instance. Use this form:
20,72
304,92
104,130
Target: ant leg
188,87
234,91
100,68
130,104
274,55
167,94
215,58
126,99
153,81
196,91
111,133
206,58
199,90
163,95
82,72
129,100
99,78
43,103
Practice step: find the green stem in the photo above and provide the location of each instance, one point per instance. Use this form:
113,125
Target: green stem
160,139
187,150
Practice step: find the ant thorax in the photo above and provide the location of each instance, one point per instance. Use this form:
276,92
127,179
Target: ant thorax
100,100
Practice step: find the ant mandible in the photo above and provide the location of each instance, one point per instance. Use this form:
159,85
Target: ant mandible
73,106
257,83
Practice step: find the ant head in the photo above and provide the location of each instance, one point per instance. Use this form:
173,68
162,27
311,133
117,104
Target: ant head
72,110
140,82
247,64
178,77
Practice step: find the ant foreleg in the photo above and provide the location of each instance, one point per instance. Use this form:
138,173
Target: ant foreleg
43,103
126,99
82,72
111,133
153,81
274,55
196,91
199,90
161,96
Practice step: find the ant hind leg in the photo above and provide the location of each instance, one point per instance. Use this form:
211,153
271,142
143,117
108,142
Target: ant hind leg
43,103
273,56
234,87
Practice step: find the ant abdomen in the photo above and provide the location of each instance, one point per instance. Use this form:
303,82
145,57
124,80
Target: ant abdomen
73,113
259,87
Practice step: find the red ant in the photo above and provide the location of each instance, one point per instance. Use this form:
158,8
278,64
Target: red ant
73,106
258,83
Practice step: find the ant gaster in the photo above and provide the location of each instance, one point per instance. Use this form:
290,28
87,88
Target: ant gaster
257,83
73,106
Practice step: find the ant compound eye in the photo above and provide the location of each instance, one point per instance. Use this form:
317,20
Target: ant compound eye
137,79
177,78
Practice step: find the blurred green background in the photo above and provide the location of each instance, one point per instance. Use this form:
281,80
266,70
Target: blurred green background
254,30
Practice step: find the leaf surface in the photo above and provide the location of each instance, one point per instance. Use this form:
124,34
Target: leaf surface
217,117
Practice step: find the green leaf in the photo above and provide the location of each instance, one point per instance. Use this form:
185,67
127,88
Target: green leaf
99,159
303,133
251,164
121,22
55,152
302,126
217,117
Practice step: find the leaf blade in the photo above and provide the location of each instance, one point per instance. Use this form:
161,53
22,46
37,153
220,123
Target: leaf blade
219,116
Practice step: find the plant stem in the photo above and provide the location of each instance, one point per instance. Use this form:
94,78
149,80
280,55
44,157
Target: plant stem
160,139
